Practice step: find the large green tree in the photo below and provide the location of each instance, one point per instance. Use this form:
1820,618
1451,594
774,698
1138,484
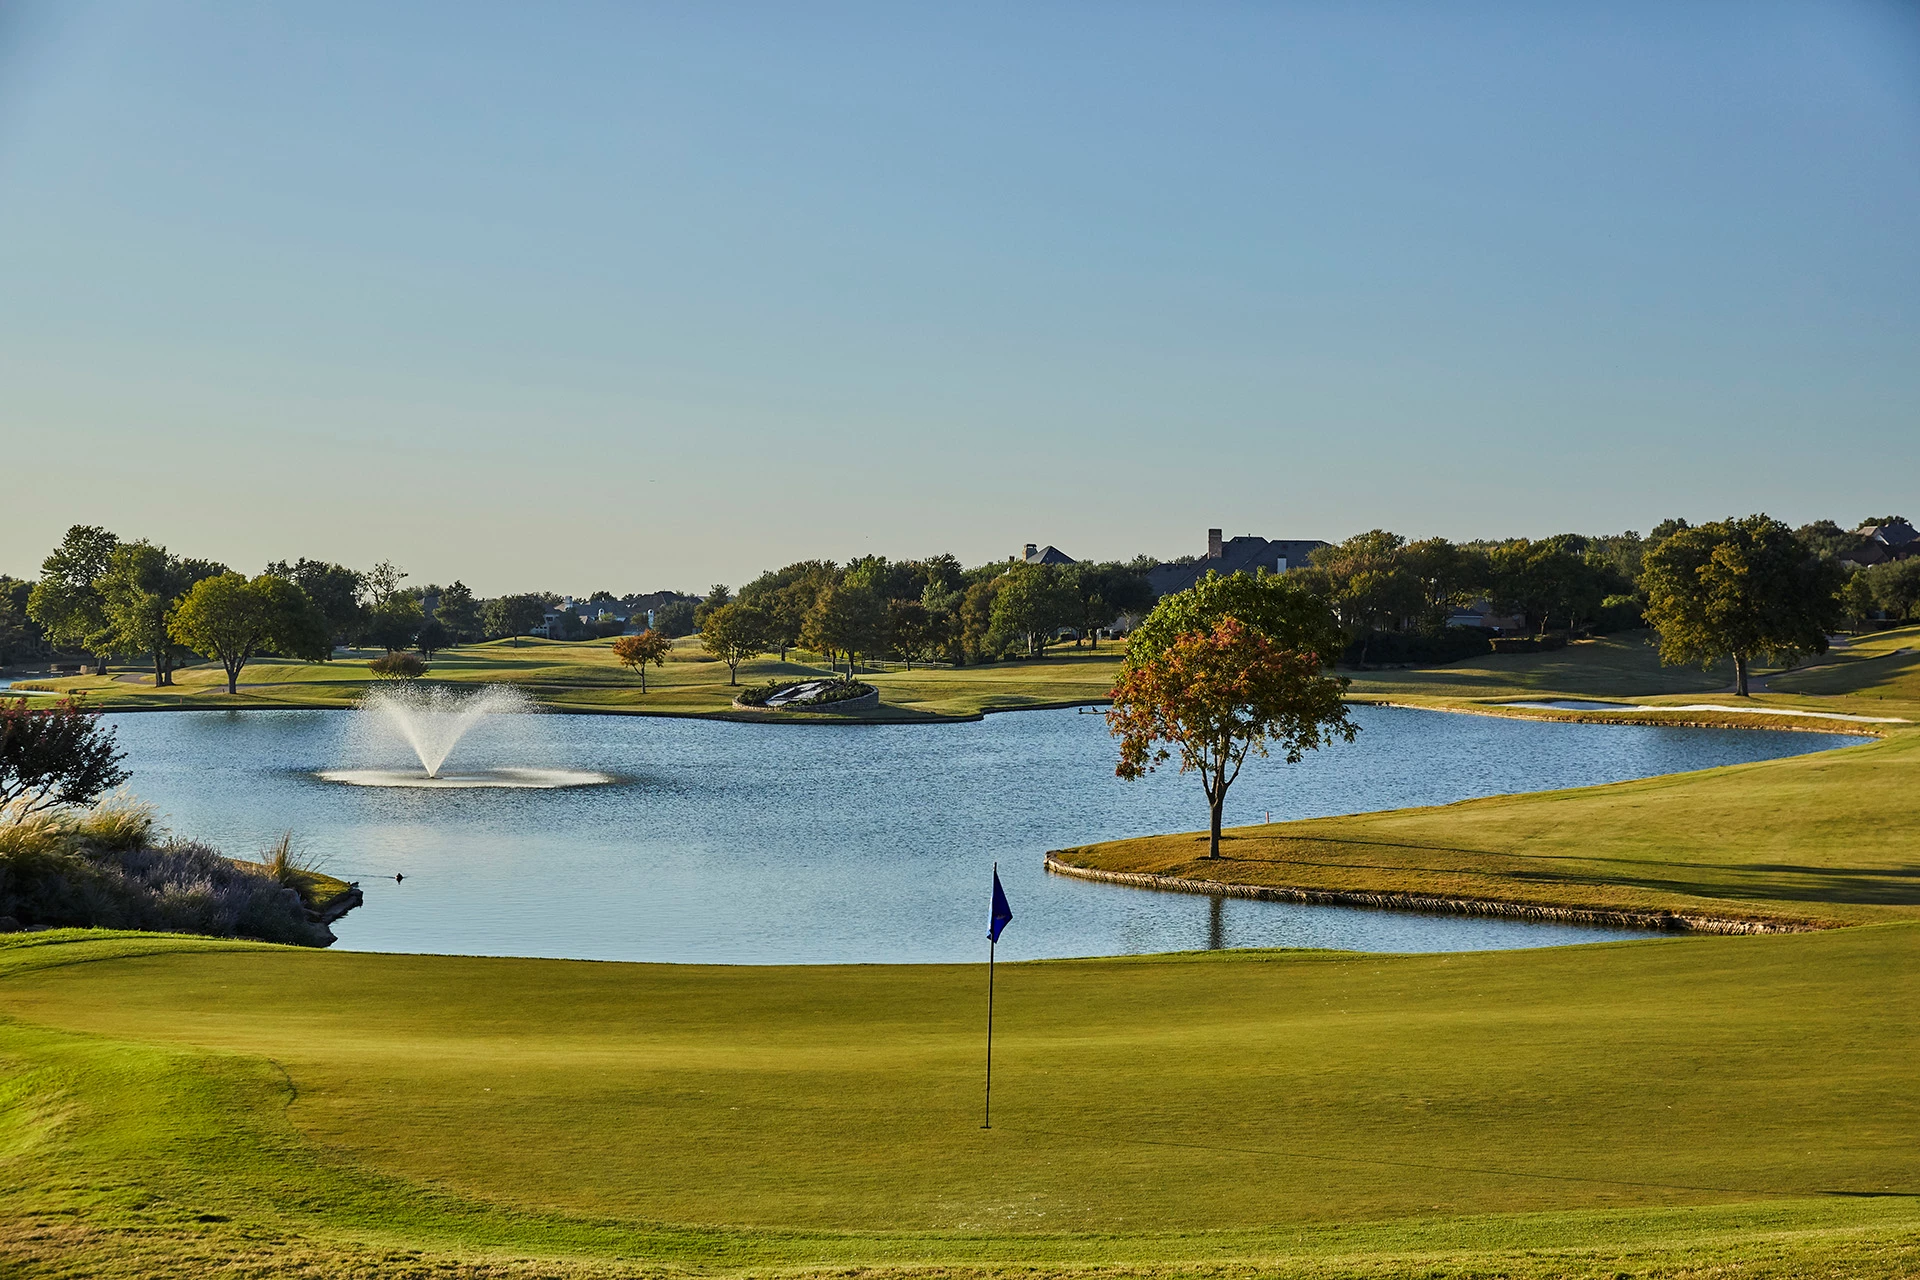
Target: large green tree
1032,604
733,633
66,601
513,616
335,590
232,621
845,619
142,585
1739,589
459,612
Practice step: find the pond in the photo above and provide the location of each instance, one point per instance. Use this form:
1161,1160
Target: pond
754,843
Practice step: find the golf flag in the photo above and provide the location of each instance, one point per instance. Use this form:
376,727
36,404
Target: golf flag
1001,911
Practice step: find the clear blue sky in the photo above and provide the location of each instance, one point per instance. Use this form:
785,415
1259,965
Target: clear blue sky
573,296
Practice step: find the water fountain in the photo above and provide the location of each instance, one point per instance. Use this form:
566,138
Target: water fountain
431,722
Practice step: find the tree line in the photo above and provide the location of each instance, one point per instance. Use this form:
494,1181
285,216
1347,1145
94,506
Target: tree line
1387,591
917,611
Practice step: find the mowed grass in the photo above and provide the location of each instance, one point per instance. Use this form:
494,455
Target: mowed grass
1626,664
586,677
1676,1106
1826,838
1667,1105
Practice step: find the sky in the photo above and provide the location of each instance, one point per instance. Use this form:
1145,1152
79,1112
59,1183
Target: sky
575,296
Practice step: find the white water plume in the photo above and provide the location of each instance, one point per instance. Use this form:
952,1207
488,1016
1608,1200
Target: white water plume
432,720
488,737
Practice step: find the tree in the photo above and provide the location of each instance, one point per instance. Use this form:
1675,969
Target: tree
233,621
1032,603
1896,586
675,619
432,638
1856,598
395,622
1286,608
718,597
66,601
1739,589
1553,575
845,619
635,652
140,588
514,616
13,620
1443,577
911,630
459,613
1217,696
58,755
1099,593
1367,583
733,633
335,590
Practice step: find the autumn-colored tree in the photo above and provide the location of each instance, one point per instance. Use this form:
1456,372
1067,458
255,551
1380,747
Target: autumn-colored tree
733,633
53,756
1739,588
1216,696
635,652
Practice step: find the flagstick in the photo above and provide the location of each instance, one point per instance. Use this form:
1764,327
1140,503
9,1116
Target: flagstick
991,943
989,1119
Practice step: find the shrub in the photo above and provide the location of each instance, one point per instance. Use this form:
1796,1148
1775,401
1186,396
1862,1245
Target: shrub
57,756
399,666
104,870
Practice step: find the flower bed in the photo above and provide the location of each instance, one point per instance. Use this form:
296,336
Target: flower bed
810,695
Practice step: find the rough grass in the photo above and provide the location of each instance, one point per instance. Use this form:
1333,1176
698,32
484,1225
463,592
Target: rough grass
1678,1106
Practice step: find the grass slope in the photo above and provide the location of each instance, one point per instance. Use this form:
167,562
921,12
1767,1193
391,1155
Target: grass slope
1826,838
1667,1105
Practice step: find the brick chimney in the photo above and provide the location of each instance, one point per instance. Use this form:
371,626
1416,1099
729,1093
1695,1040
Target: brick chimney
1031,549
1214,547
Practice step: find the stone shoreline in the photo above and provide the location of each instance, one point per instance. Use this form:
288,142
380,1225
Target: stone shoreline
1661,921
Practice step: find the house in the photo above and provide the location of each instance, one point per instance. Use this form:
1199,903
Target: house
1244,554
1482,614
1046,555
1894,540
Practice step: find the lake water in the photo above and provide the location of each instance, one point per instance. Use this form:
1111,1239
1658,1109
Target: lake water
750,843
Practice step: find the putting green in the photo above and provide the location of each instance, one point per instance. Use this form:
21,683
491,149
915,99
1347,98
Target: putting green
1241,1093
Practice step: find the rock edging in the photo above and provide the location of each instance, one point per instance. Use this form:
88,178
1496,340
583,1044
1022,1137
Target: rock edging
1662,921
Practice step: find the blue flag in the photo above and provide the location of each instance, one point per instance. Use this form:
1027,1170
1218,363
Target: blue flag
1001,911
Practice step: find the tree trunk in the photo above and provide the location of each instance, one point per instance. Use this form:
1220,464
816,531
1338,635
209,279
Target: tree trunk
733,673
1740,674
1217,803
233,679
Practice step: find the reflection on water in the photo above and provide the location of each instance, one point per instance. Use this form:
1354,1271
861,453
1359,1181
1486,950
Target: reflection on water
788,843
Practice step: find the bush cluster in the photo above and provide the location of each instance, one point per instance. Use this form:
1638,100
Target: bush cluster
106,869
